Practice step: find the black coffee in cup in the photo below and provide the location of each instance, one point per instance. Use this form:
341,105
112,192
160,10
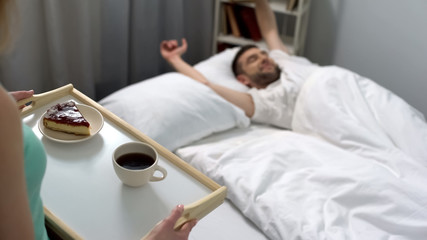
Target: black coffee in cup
135,161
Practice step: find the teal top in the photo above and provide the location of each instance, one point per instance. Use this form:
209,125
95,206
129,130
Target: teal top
35,166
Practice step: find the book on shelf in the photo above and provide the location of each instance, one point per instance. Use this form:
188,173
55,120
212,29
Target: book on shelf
244,19
225,27
231,17
248,22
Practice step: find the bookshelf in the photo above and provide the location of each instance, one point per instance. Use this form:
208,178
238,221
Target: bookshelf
292,24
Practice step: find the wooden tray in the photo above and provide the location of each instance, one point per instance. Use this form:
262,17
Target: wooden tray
83,197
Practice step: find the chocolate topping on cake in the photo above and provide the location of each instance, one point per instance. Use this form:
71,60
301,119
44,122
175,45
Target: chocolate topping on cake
66,113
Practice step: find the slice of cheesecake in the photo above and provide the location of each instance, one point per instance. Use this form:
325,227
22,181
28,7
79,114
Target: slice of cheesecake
66,117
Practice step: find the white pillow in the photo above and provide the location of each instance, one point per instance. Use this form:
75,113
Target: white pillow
174,110
217,69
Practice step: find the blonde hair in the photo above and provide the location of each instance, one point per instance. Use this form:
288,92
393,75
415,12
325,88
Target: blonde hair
6,9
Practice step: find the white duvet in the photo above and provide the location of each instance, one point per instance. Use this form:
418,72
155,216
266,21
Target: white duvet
355,166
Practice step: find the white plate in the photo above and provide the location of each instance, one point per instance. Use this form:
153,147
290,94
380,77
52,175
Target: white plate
93,116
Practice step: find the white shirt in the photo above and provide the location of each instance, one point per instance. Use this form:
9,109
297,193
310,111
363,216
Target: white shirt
275,103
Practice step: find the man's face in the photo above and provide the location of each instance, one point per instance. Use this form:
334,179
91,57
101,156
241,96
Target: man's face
259,69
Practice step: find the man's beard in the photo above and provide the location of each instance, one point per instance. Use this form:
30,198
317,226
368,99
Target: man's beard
263,79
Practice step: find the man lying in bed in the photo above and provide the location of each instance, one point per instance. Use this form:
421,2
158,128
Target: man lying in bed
275,78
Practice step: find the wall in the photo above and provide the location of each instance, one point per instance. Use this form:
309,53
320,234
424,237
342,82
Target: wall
384,40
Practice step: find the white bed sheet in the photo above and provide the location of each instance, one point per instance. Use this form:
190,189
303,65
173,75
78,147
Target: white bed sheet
354,169
298,187
356,114
226,222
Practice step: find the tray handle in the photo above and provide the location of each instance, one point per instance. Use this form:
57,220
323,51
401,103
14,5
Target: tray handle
202,207
42,98
53,223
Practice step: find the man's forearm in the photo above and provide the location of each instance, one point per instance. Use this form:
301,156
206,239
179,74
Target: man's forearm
242,100
265,17
183,67
239,99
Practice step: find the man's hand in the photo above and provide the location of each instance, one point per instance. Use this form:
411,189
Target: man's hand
164,230
170,49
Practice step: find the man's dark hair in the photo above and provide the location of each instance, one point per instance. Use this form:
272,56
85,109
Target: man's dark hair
237,69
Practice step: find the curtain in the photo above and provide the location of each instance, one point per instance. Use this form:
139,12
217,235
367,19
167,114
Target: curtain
101,45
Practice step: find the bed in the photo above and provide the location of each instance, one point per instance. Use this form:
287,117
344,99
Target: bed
353,167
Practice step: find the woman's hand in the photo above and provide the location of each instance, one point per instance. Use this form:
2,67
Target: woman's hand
170,49
19,95
165,229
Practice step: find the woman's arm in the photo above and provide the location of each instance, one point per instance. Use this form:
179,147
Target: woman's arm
14,206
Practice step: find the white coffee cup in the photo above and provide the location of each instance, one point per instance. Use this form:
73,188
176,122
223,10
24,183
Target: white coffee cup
135,164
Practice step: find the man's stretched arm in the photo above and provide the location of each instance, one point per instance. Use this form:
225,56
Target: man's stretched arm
172,52
242,100
268,25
